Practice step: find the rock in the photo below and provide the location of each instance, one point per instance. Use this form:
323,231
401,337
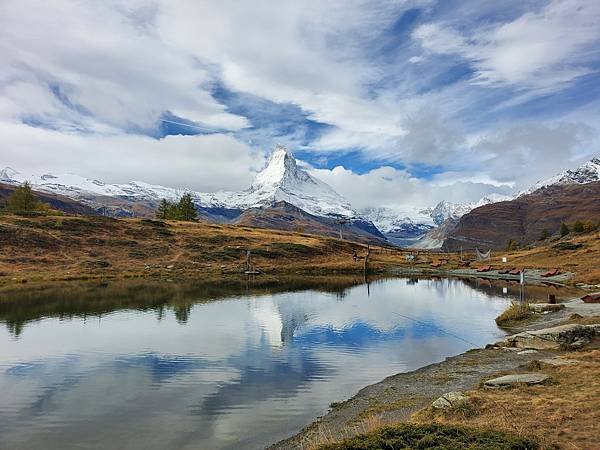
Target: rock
545,307
449,400
170,266
571,336
527,352
509,380
558,361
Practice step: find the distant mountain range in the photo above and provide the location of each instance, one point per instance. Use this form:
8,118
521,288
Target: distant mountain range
285,196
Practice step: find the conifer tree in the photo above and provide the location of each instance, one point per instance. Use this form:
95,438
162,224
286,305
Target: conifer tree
186,208
162,212
22,200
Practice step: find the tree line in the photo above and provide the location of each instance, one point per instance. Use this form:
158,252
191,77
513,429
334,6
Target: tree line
184,209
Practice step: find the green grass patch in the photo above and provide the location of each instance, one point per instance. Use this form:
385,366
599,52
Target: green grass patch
441,437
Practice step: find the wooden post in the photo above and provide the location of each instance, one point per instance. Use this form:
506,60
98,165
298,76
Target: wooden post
367,258
247,260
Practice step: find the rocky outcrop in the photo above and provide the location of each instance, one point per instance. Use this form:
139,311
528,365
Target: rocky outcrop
449,400
571,336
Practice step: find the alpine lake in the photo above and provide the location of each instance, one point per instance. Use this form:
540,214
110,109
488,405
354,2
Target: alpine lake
220,365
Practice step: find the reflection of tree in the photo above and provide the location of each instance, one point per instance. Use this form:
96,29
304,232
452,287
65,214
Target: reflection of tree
182,313
160,312
15,328
68,301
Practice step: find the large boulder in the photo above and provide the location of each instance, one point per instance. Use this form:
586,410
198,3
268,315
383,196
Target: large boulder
449,400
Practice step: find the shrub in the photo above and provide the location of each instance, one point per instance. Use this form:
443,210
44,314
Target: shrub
589,226
578,227
564,230
545,234
511,245
515,313
441,437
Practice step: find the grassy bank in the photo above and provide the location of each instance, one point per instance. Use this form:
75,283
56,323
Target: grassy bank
47,248
63,248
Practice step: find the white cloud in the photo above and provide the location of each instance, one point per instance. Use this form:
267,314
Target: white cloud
397,189
107,65
526,153
540,50
202,163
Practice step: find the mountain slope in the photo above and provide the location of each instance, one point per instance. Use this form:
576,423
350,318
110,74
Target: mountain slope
423,227
285,216
523,219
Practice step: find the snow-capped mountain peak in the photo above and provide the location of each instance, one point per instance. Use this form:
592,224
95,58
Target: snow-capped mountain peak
588,172
281,169
8,175
445,210
284,180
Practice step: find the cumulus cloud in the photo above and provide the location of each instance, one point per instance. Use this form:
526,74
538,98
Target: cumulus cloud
202,162
397,189
104,60
542,49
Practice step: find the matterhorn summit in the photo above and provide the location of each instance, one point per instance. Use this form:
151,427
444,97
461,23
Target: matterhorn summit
284,180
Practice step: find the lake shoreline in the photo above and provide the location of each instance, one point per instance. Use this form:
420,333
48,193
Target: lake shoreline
398,397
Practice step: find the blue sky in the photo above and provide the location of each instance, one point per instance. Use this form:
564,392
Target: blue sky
407,101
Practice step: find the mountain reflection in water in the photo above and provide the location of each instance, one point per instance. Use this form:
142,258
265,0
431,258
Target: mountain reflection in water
227,365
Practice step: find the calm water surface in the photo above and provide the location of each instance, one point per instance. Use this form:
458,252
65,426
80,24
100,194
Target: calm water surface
210,367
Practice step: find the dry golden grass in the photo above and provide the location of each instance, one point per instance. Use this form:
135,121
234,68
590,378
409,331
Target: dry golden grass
59,248
582,261
562,414
325,437
516,312
62,248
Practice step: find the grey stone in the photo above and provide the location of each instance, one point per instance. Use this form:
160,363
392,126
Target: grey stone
546,307
527,352
509,380
449,400
558,361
